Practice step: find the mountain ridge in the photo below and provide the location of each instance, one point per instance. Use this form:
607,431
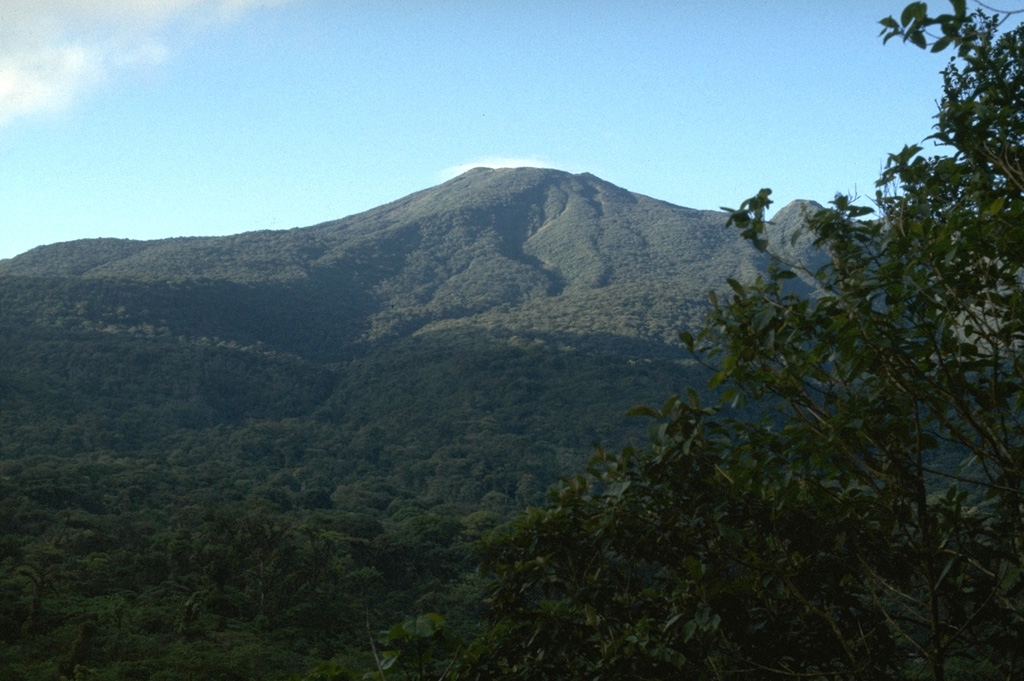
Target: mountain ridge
508,251
256,443
102,251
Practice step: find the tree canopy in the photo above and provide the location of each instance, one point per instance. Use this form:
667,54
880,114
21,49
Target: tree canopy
866,523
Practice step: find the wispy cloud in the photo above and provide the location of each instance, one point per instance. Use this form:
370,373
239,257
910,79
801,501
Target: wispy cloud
53,52
495,162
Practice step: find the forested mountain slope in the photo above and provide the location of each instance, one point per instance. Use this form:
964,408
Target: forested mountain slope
518,250
249,443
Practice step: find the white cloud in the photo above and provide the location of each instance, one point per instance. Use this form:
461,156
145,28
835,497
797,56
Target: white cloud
46,79
51,77
53,52
495,162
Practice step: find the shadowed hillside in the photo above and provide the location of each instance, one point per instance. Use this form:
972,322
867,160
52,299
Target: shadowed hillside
254,443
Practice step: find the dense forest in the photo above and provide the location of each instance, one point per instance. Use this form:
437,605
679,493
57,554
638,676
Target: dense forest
229,457
406,444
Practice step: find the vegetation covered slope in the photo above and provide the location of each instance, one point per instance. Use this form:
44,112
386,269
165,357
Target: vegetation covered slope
222,456
535,283
517,250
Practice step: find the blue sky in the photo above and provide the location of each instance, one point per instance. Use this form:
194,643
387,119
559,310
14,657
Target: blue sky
154,118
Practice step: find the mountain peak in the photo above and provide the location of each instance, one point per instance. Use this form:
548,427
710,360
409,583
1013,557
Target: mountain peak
523,250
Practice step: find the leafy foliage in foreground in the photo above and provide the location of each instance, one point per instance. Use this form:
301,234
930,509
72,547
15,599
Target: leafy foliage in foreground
830,539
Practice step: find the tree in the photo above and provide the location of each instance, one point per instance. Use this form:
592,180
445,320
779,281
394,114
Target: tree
867,522
421,649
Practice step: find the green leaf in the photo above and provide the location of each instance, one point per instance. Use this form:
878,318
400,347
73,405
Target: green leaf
617,489
995,205
915,11
643,410
423,626
945,570
1010,578
671,620
694,567
763,318
388,658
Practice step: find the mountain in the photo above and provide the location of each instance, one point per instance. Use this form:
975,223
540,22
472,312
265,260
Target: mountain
252,443
533,252
531,303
